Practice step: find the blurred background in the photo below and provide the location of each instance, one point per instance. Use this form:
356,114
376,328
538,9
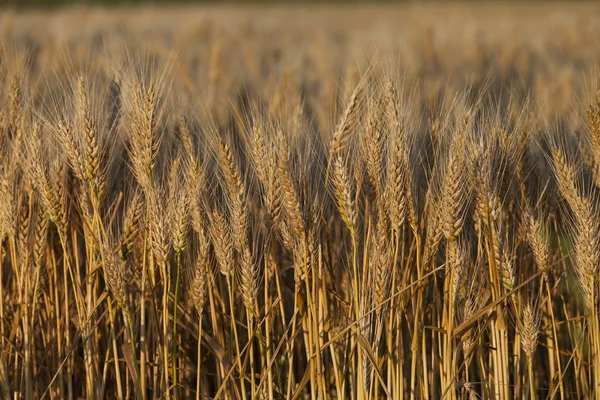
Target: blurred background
54,3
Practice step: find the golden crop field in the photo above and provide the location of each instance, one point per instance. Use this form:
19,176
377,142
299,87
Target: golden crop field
322,202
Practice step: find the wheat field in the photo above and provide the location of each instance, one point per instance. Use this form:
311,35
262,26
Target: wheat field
329,202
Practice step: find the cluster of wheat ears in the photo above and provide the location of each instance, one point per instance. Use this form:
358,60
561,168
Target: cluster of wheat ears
189,228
